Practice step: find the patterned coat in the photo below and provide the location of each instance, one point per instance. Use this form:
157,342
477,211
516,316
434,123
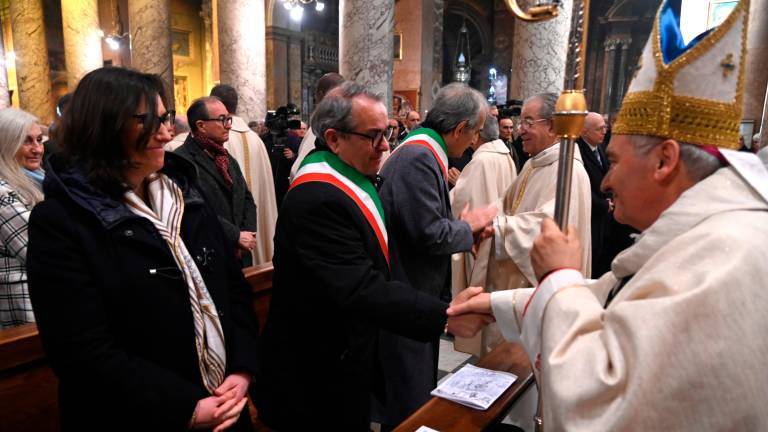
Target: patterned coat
15,306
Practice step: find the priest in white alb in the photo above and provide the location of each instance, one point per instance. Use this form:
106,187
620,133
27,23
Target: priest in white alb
505,264
482,182
531,199
673,337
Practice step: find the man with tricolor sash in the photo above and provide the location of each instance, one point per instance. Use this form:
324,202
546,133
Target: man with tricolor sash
673,337
418,207
337,277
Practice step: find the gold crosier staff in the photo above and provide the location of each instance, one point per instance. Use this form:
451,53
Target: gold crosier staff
571,106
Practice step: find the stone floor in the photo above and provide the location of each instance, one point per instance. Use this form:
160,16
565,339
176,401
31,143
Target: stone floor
450,360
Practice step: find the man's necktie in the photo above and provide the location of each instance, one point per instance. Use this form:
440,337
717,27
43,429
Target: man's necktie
597,156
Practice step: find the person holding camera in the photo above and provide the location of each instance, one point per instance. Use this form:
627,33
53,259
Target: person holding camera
283,146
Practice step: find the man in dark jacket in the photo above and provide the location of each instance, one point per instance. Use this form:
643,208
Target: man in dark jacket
219,175
596,164
514,144
334,270
417,205
608,236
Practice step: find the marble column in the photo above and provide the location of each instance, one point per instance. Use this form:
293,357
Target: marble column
621,81
32,70
294,69
366,39
540,50
5,96
277,66
432,42
610,61
206,13
150,24
82,43
242,54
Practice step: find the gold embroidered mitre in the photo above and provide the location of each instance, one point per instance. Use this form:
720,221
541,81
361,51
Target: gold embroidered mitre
696,97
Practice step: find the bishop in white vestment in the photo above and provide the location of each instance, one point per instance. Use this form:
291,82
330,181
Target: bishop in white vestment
673,338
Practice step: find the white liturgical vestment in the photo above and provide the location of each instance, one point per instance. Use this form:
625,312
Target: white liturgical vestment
682,346
506,263
483,181
527,203
306,146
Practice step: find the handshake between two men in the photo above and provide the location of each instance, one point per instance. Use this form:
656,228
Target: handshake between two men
552,250
469,323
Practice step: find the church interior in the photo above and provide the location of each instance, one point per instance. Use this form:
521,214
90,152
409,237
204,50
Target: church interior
274,52
280,48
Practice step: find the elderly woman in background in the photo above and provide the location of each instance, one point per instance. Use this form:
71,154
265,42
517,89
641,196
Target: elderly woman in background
21,153
143,312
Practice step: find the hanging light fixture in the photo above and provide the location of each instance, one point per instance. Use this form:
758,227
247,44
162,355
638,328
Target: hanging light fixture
463,66
291,4
296,13
492,85
117,37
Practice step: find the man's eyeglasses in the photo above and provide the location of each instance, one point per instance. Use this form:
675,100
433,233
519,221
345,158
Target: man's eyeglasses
528,123
224,120
386,134
166,119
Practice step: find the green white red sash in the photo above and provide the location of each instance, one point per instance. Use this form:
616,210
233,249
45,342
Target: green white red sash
433,142
326,167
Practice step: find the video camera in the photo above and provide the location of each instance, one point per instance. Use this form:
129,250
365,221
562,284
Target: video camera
278,121
510,109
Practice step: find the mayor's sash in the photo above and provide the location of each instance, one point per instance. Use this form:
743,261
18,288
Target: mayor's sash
326,167
430,139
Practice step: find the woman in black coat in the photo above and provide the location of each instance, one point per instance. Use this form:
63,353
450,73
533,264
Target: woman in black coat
141,307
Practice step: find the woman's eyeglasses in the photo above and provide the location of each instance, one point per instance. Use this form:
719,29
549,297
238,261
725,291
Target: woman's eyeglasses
166,119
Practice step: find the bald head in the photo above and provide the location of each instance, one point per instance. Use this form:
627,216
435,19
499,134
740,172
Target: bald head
325,84
594,129
412,120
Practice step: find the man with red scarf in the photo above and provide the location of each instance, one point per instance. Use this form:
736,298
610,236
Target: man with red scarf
219,175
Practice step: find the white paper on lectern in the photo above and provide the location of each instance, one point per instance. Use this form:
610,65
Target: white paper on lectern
475,387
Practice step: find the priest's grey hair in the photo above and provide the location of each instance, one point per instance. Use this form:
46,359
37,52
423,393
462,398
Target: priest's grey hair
698,162
455,103
548,101
490,130
335,110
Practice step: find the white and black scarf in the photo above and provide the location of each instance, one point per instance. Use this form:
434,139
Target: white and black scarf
168,203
